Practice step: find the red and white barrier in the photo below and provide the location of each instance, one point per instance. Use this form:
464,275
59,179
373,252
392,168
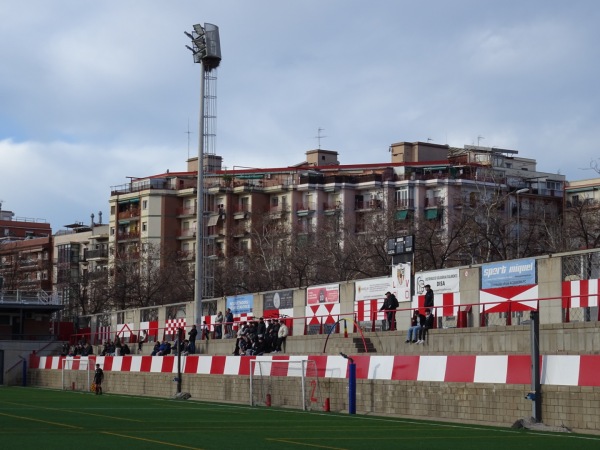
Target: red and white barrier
557,370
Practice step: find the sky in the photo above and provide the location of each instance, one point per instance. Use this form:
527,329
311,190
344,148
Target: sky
94,92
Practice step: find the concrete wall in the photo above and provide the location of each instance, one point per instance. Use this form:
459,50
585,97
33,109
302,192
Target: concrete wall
578,338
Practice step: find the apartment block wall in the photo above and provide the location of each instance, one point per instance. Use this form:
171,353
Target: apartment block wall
490,404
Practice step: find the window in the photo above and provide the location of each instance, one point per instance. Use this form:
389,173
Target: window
112,231
555,185
145,204
112,210
245,204
402,198
144,226
274,201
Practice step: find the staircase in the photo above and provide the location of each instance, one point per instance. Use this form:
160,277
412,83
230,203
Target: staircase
359,345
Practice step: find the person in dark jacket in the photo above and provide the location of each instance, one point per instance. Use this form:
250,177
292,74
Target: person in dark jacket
428,297
426,325
390,304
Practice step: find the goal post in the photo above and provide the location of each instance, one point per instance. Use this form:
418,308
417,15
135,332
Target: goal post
77,373
285,383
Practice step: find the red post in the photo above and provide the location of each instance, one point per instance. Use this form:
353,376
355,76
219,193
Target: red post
326,405
268,400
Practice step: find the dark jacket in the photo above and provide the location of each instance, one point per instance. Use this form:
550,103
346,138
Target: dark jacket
428,298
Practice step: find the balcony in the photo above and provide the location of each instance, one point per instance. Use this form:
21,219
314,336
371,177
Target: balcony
239,231
241,212
127,235
96,254
186,256
405,204
128,214
368,205
434,202
188,233
332,208
189,211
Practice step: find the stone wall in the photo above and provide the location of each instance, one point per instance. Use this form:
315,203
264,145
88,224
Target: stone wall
491,404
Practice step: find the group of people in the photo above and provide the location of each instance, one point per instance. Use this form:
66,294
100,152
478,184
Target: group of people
82,348
115,348
420,323
258,338
419,327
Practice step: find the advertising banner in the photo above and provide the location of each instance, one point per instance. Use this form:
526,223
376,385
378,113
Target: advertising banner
323,294
278,300
441,281
446,291
371,289
508,273
240,304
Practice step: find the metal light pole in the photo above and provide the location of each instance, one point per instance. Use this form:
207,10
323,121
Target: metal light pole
206,48
520,191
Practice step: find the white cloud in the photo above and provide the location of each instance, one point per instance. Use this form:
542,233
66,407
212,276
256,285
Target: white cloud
94,92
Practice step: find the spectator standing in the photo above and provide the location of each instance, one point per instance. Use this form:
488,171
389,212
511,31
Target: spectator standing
262,327
415,327
282,335
219,326
143,338
192,339
428,297
390,304
205,330
228,323
98,379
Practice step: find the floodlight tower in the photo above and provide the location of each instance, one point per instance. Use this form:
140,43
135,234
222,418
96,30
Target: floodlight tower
206,48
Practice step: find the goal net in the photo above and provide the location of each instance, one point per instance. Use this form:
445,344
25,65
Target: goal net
77,374
291,384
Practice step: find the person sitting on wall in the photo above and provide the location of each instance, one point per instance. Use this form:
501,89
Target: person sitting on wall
415,327
156,348
125,350
426,326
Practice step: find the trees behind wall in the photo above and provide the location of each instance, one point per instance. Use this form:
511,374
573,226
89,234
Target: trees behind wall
153,277
482,228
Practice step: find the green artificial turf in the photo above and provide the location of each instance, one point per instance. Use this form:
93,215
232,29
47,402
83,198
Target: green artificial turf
33,418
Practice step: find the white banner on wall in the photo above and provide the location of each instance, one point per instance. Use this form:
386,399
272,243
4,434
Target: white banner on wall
401,281
372,289
441,281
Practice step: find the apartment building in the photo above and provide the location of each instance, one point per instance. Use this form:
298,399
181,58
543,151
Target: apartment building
80,257
423,181
25,253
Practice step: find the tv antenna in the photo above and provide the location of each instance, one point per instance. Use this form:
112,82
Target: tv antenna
319,136
188,132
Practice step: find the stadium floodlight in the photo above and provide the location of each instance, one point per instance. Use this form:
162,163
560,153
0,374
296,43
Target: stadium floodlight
206,50
199,29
